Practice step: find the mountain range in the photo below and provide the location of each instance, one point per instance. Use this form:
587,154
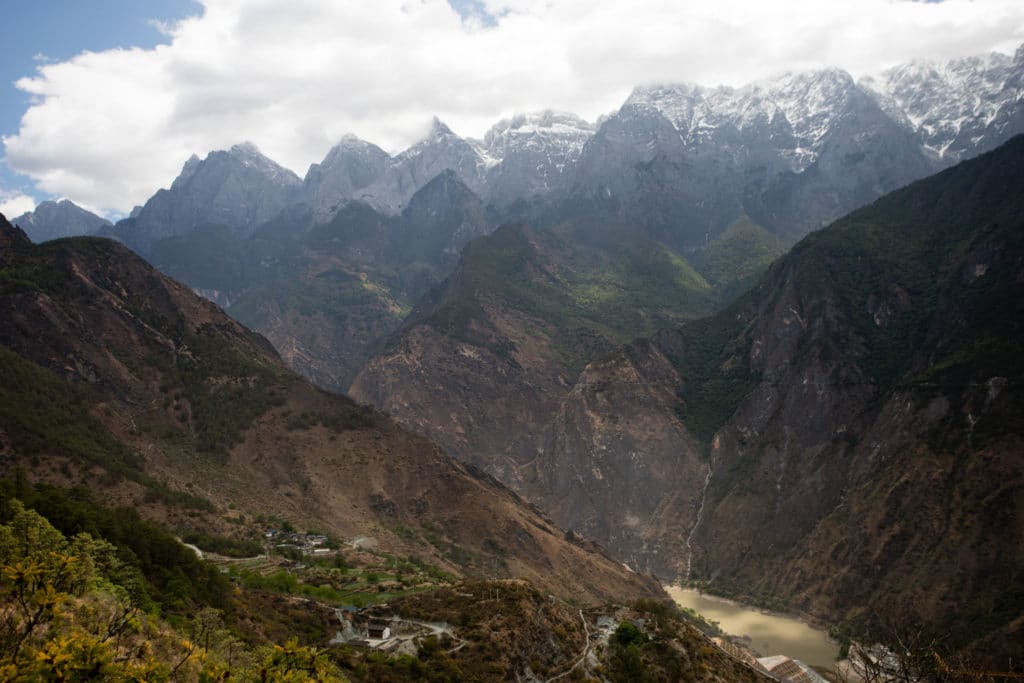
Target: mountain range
765,148
605,318
678,164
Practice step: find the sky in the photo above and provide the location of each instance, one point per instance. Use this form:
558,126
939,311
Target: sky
103,101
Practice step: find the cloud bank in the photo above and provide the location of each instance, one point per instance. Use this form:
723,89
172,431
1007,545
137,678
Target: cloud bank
13,204
107,129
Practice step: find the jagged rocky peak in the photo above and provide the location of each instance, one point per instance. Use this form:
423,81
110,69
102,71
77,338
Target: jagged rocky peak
442,142
189,169
251,157
350,166
677,102
350,145
811,100
640,125
410,170
52,220
804,104
438,129
244,157
239,189
957,107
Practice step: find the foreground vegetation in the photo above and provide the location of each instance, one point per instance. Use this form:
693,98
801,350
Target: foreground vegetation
88,591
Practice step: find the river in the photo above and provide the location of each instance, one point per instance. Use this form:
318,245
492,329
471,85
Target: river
769,634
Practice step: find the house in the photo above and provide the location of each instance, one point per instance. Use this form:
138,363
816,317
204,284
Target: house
378,631
791,670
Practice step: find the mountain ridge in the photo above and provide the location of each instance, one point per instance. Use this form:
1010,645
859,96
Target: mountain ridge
200,408
786,145
832,425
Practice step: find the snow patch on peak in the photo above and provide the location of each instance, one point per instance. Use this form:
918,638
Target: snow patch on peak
796,110
952,104
554,132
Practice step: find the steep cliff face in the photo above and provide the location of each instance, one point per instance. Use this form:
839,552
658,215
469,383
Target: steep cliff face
858,412
538,154
482,362
619,464
119,375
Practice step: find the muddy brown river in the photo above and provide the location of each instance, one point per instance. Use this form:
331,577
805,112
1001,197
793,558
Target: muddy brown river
769,634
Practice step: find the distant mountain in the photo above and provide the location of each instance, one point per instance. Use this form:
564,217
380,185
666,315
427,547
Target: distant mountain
537,154
326,295
52,220
117,376
685,161
407,172
680,161
238,189
683,165
348,168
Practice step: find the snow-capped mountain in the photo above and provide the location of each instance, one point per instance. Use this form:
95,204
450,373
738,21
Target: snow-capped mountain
680,161
537,154
958,108
521,158
792,153
52,220
238,189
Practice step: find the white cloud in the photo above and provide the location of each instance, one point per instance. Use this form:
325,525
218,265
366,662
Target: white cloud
109,128
14,204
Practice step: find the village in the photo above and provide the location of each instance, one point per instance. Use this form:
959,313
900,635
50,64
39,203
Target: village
367,621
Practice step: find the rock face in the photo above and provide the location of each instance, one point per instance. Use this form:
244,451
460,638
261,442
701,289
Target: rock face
537,153
437,223
180,396
957,108
483,360
238,189
441,150
792,154
619,465
53,220
349,167
826,442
